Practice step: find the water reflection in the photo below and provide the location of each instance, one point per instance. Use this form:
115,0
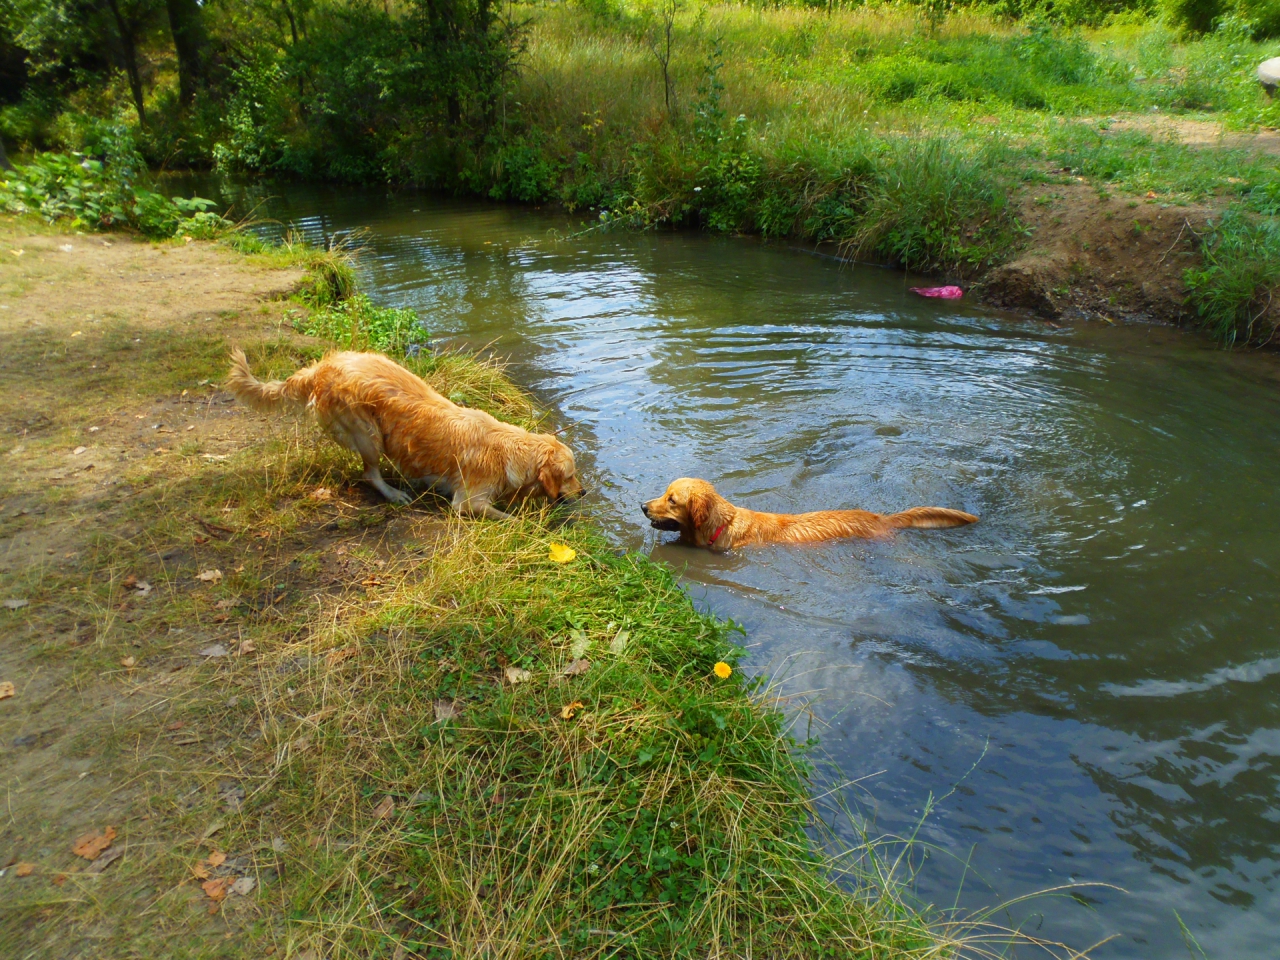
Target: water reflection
1105,644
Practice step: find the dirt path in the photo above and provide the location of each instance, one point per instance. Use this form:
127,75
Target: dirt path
128,474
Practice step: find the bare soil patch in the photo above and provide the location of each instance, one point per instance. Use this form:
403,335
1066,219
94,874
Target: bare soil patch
129,478
1206,134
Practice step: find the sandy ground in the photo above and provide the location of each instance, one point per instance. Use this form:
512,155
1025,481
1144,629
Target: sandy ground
129,671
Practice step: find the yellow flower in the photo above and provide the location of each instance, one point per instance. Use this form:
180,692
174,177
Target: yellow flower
723,670
562,553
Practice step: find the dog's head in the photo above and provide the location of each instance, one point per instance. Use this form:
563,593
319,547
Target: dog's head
691,506
557,474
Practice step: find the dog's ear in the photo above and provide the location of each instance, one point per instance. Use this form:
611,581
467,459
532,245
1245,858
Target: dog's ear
549,474
699,509
708,512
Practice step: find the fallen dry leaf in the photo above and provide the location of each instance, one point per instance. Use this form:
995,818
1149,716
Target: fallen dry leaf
210,576
78,450
214,650
216,890
619,643
576,669
216,859
91,845
107,859
24,869
129,662
446,710
516,675
561,553
246,647
569,709
580,643
243,886
60,879
226,603
385,809
16,604
321,493
6,689
176,725
337,656
200,871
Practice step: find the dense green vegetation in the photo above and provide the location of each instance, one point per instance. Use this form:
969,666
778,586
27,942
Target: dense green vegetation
902,132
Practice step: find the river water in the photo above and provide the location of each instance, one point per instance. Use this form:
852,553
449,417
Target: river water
1089,678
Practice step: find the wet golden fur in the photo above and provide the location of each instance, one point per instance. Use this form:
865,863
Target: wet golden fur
374,407
695,509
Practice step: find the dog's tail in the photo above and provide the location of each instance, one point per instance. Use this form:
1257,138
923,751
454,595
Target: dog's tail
930,518
268,396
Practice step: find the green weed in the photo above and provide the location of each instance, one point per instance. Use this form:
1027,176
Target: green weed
1232,291
357,323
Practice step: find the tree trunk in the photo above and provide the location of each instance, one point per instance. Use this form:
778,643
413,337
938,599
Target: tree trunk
4,159
187,26
129,49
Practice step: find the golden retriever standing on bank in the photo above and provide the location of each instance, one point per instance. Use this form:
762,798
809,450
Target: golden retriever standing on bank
706,519
374,407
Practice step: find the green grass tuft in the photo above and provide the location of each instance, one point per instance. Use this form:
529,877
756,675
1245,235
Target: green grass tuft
1233,290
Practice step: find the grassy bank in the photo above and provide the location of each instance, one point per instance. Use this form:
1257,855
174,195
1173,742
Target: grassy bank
323,726
908,141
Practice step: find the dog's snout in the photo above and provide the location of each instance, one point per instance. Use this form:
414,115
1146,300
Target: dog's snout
644,508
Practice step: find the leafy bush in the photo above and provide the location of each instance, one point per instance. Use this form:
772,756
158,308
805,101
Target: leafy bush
104,194
1232,292
357,323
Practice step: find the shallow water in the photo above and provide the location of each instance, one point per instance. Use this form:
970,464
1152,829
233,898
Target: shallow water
1090,676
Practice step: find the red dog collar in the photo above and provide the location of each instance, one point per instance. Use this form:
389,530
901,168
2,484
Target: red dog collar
719,530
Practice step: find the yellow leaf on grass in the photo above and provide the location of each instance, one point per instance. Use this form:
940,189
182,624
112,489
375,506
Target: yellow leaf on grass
562,553
723,670
6,689
216,890
568,710
24,869
91,845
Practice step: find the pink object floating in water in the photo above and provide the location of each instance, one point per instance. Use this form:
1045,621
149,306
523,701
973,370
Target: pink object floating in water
945,293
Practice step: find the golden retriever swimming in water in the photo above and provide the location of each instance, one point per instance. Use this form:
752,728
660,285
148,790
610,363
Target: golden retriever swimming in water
374,407
706,519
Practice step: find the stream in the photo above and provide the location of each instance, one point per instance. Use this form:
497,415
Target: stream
1086,683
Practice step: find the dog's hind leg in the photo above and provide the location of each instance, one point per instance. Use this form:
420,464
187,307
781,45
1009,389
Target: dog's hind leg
360,436
477,505
432,484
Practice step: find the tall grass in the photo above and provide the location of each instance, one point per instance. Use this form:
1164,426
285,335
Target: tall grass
1233,291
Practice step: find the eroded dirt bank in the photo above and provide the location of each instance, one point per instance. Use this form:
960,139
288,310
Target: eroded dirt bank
1091,254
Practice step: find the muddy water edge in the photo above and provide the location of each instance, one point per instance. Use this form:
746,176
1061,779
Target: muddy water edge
1087,683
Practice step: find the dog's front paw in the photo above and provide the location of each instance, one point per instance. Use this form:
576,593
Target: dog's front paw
398,496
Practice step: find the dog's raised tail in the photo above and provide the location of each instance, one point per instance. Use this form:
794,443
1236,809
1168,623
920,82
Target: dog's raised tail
930,518
266,396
